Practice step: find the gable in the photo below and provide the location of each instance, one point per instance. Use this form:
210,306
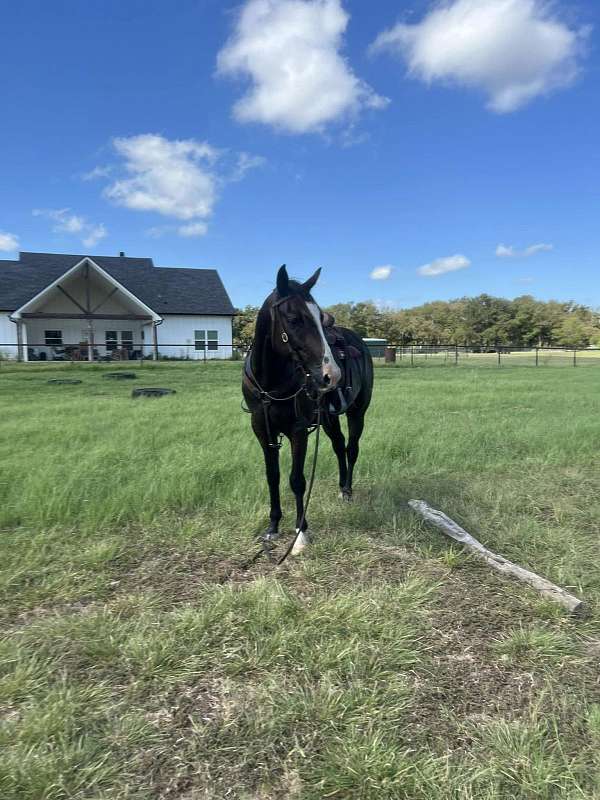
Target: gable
166,290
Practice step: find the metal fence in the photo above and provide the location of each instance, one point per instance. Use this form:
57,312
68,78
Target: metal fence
425,355
418,355
45,352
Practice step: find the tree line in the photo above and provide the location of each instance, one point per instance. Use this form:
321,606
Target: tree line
482,321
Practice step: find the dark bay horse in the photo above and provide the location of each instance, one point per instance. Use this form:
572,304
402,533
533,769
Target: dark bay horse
302,366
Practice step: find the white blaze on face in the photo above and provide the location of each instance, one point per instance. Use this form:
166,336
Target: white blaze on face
329,367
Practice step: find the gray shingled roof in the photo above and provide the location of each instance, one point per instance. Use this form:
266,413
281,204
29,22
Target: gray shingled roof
166,290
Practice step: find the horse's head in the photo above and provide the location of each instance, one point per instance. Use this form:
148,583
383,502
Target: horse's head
297,329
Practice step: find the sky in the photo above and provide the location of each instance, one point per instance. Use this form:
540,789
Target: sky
415,150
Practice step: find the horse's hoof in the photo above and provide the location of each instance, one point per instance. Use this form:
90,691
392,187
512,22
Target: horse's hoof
269,538
346,496
302,540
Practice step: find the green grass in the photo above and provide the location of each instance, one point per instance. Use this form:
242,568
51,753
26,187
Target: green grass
138,661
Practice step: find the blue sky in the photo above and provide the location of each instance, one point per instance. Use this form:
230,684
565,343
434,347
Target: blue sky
332,133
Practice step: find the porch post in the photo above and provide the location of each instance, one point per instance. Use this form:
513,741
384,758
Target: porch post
154,341
90,340
20,351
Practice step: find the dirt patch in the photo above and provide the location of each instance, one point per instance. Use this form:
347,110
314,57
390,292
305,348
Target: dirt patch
20,619
466,681
178,575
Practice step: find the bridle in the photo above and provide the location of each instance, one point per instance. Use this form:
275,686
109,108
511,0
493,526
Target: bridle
266,398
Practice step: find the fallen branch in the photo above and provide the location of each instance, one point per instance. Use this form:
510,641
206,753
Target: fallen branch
450,528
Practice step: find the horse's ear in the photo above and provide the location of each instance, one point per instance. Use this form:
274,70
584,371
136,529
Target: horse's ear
308,285
283,282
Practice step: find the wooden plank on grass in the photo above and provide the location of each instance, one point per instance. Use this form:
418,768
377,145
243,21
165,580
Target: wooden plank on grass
499,563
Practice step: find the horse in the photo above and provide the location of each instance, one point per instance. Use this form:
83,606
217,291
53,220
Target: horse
302,370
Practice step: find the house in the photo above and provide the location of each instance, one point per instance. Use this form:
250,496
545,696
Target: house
52,306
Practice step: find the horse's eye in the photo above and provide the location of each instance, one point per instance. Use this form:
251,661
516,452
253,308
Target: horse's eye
296,321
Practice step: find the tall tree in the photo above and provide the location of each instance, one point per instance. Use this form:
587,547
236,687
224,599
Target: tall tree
243,326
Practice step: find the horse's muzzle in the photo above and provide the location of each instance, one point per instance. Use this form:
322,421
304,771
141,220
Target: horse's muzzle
326,379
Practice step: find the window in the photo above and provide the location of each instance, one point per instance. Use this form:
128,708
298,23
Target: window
53,338
206,340
212,338
127,340
111,340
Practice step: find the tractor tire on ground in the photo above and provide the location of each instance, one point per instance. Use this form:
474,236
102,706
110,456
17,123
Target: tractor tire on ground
151,392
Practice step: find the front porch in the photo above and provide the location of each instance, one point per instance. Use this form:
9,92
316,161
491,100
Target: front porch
85,315
61,338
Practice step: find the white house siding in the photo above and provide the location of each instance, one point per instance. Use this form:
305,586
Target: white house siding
176,336
8,337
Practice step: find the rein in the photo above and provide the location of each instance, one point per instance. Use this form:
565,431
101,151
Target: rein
310,488
266,549
266,399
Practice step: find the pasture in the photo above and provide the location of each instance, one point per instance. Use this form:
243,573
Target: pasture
383,663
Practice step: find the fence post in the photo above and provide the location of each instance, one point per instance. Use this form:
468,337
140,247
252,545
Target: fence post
412,355
456,355
574,358
499,362
537,356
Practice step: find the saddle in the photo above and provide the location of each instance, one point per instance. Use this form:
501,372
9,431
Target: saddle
347,358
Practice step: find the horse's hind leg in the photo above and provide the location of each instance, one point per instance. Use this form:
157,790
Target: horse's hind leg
333,429
356,423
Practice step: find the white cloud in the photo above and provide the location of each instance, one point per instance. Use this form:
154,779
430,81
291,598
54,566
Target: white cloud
382,273
246,162
178,178
65,222
156,231
95,233
290,49
8,242
97,172
442,265
193,229
172,178
513,50
503,251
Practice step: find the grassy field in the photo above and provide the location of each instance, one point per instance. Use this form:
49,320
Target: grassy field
139,662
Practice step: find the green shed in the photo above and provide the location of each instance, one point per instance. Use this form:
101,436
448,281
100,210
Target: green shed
376,347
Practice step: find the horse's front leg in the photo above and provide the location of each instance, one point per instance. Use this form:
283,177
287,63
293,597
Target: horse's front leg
299,442
272,468
271,455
